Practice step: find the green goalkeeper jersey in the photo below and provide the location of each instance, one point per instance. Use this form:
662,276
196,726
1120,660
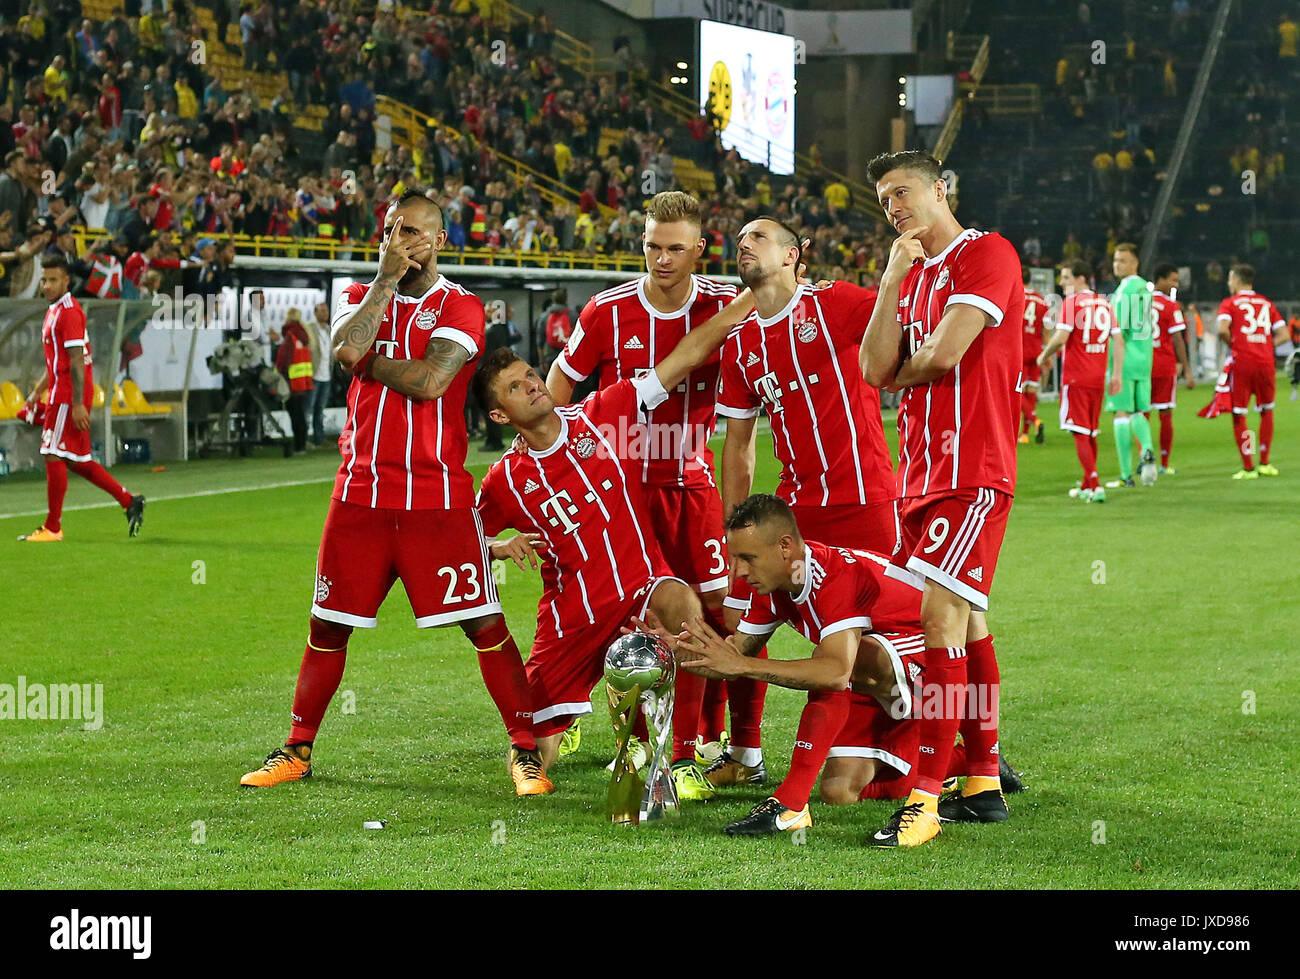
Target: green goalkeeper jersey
1135,315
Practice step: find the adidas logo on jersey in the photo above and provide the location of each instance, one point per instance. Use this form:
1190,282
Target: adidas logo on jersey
634,343
530,486
977,573
751,360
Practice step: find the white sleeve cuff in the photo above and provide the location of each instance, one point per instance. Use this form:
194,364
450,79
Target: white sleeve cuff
753,629
740,604
843,625
1225,316
979,302
75,343
457,336
569,372
1177,328
726,411
650,391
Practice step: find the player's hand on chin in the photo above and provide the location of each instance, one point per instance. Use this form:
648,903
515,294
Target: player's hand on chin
905,251
521,548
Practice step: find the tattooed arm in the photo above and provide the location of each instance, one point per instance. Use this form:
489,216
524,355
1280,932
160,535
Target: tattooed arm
355,335
829,668
424,379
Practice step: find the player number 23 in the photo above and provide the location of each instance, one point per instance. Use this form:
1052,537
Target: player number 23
938,533
472,582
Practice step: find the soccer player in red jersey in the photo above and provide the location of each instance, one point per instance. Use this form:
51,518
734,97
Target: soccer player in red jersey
865,627
1037,321
573,484
1084,331
623,332
403,502
947,332
1253,327
795,357
1168,356
65,437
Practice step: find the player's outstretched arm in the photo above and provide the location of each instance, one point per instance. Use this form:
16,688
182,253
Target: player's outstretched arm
559,384
702,341
830,667
880,353
944,348
1054,343
424,379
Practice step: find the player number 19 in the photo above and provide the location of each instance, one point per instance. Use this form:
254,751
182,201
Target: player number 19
470,570
938,533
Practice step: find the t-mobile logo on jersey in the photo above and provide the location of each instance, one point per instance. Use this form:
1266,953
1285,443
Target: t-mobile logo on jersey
386,348
769,389
559,509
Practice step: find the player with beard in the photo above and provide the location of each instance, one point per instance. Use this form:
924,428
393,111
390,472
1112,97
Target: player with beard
796,358
403,502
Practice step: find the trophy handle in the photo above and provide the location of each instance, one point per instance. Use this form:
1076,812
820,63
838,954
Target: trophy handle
660,796
625,785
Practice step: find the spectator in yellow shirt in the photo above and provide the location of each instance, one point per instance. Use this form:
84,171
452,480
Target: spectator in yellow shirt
187,103
56,81
1287,33
837,196
563,157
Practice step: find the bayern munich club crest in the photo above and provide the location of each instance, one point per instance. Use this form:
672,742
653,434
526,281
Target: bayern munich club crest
424,320
323,586
805,328
942,280
585,447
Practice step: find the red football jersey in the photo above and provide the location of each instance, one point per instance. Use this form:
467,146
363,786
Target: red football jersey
587,504
621,335
1035,319
801,366
1091,323
63,335
399,453
1252,320
959,431
842,589
1169,320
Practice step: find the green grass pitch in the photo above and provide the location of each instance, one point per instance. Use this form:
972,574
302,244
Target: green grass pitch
1150,692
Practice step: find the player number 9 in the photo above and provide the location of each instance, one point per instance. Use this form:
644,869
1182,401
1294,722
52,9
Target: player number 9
938,533
470,570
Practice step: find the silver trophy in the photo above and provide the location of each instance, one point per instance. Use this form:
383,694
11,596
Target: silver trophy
639,670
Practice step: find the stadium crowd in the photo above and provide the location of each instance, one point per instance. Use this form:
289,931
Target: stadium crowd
119,126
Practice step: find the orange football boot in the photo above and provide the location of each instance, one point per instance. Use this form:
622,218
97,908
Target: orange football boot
280,766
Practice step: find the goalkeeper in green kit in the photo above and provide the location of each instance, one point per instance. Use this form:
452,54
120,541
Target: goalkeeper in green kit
1134,315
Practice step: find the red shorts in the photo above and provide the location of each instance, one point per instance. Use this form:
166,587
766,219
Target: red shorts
562,672
953,538
1162,392
870,731
687,524
59,437
1030,372
874,527
440,556
1081,409
1248,379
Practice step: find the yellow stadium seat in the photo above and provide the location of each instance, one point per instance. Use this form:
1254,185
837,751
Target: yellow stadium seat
11,399
99,397
120,406
136,402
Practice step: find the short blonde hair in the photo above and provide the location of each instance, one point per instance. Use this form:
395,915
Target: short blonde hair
675,205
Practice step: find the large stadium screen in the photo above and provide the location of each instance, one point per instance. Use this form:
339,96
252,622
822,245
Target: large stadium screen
747,82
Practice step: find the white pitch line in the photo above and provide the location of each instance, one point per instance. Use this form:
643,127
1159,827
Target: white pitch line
179,496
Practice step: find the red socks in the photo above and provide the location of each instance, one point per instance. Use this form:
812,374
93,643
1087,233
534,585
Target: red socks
713,710
318,678
99,477
945,670
1265,436
1028,407
746,699
1085,446
1166,436
979,729
56,488
503,675
821,721
1242,435
686,714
